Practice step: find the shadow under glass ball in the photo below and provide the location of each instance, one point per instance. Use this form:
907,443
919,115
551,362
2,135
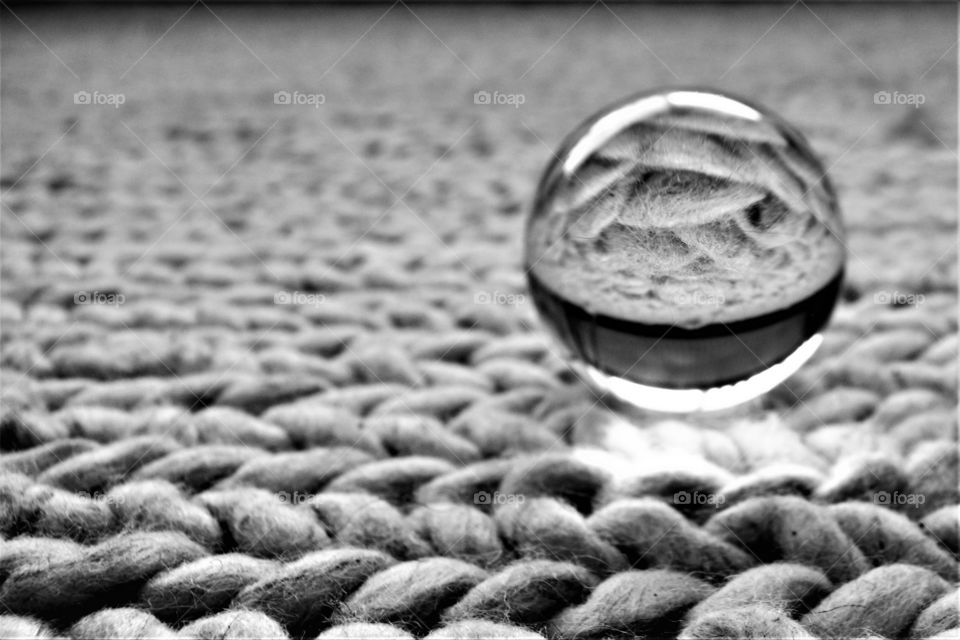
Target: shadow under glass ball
685,240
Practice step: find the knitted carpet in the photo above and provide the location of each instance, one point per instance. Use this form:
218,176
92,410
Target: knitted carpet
269,369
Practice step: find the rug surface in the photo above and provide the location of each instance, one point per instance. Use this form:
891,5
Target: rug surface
269,368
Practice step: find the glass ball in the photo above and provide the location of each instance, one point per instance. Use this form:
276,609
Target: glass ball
686,249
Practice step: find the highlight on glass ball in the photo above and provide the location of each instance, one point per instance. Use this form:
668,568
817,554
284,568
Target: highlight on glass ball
686,248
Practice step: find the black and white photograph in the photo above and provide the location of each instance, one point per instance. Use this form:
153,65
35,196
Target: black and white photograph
469,320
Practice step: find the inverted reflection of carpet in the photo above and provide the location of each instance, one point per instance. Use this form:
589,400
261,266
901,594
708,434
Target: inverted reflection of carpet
269,370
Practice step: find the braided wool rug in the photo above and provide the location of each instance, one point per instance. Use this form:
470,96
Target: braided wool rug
398,452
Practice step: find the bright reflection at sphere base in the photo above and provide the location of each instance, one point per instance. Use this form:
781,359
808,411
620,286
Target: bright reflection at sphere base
698,400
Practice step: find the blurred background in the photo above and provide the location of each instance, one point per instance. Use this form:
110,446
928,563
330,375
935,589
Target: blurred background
205,160
389,108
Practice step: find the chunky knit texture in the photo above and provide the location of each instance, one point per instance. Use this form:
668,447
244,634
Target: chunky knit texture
400,452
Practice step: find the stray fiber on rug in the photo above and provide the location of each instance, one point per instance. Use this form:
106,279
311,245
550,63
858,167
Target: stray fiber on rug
269,369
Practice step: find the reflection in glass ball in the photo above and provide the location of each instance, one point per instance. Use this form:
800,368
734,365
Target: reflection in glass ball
685,248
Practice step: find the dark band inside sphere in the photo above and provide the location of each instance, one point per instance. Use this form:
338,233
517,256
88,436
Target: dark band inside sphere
672,357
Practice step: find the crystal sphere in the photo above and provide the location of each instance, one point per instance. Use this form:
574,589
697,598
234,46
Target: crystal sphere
685,248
